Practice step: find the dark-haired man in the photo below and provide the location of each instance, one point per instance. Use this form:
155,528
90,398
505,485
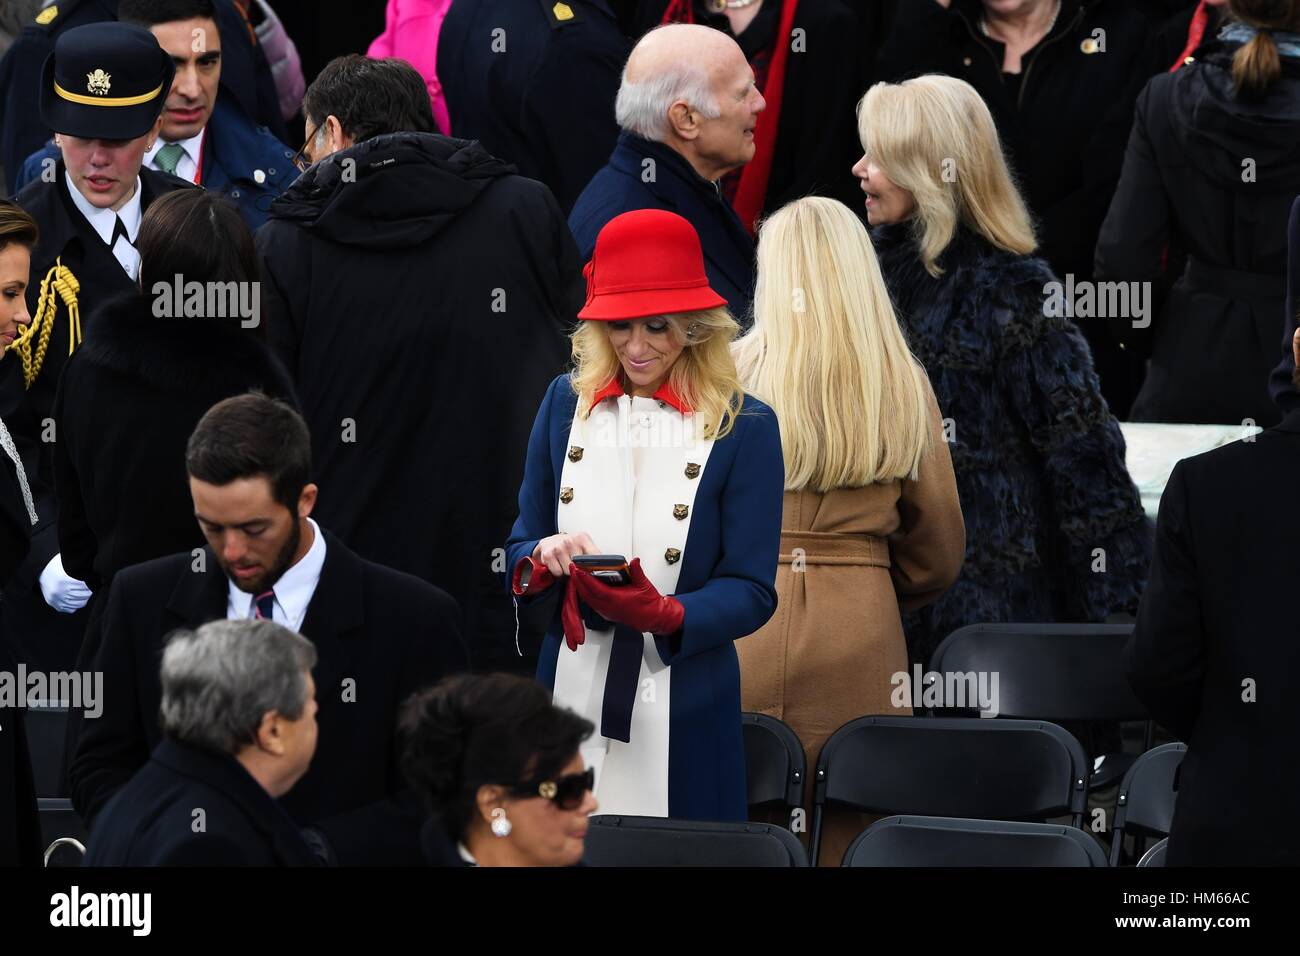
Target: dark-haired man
379,634
204,138
418,292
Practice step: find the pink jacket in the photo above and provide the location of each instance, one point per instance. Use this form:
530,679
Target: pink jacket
411,34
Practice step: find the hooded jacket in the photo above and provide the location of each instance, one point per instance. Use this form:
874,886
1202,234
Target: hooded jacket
418,292
1209,174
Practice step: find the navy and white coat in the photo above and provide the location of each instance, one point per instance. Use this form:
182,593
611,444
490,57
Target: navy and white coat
705,519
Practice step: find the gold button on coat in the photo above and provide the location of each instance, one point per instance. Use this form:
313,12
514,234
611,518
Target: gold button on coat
672,555
692,470
566,495
575,454
680,511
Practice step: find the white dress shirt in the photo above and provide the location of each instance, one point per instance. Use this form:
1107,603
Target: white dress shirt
103,221
293,592
187,167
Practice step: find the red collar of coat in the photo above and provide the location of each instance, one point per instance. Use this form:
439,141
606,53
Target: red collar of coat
664,393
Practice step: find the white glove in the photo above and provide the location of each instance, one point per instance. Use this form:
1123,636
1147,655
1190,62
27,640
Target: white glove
63,593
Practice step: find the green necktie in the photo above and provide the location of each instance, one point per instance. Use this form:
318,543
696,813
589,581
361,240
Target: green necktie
169,157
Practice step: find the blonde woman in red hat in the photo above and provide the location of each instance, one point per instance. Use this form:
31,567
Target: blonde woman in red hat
650,452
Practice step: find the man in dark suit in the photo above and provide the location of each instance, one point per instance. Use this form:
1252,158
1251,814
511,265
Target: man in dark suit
1214,655
239,730
688,106
379,634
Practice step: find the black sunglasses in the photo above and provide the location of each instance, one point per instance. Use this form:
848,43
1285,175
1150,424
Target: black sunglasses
565,792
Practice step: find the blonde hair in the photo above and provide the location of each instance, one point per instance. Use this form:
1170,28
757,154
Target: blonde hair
704,375
827,354
934,137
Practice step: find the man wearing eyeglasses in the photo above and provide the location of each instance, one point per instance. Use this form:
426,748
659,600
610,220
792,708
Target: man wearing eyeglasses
204,138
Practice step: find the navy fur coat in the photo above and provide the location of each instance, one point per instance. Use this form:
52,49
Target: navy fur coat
1054,526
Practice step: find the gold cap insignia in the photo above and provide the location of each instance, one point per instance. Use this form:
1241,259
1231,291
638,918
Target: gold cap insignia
672,555
575,454
99,82
692,470
680,511
566,495
47,15
562,11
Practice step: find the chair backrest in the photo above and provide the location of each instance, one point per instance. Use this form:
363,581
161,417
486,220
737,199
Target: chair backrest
1147,796
654,841
1156,855
944,841
1056,672
62,832
775,766
47,728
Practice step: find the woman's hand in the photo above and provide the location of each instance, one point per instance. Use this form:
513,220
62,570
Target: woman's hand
557,551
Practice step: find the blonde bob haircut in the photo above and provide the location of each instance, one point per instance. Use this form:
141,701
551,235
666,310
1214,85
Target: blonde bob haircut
934,137
704,375
827,354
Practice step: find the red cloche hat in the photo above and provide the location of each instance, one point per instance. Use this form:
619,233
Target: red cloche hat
647,262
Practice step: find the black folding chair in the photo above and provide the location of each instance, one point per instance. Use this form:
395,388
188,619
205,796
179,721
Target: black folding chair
1156,855
654,841
47,728
775,766
944,841
951,767
1146,798
1065,673
62,832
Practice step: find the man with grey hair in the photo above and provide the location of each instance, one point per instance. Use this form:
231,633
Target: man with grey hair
687,108
239,730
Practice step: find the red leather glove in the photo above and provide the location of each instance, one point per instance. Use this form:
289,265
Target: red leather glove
575,631
637,604
539,581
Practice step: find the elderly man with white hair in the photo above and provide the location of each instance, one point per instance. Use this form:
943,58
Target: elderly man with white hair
687,108
239,723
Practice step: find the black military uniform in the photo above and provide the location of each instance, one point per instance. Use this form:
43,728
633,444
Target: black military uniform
245,75
535,82
129,60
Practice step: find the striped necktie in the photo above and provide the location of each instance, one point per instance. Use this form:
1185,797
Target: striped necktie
169,157
264,606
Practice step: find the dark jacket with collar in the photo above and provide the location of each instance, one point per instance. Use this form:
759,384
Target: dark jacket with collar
235,151
245,75
41,635
421,310
1280,386
1214,655
642,174
151,821
380,636
1187,184
546,101
127,402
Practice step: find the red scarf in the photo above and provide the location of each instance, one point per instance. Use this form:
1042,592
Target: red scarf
1197,30
754,175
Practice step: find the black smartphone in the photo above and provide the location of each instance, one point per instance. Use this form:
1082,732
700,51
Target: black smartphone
610,568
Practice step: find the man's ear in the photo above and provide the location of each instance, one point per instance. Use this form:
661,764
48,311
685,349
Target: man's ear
307,500
268,736
683,120
337,136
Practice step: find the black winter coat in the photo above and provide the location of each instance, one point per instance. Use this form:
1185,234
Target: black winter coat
1214,175
387,632
151,821
41,636
1039,458
127,403
1220,611
421,311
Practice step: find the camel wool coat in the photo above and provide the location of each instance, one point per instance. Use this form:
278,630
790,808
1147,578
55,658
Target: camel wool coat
850,558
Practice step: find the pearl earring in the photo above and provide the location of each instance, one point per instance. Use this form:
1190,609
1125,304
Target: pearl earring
501,826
